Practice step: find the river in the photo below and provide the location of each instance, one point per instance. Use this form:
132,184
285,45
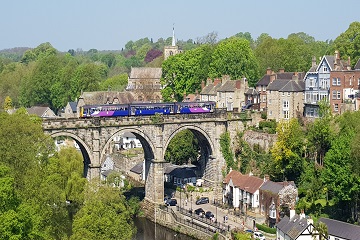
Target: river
147,230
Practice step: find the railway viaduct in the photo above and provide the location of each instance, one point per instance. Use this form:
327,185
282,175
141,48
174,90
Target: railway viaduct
94,136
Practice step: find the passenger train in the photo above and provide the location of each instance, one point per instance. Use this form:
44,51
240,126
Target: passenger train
145,109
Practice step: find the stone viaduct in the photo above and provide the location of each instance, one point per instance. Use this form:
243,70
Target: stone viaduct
94,136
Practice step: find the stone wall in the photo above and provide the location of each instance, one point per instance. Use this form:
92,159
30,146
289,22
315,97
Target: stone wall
264,140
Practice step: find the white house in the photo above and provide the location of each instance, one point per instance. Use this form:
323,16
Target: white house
297,227
242,191
126,141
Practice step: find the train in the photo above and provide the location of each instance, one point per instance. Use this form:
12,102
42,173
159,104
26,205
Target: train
146,109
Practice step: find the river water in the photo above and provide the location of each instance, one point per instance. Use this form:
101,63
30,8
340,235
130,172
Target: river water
147,230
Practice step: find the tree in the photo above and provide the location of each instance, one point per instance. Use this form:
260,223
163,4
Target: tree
348,43
183,73
235,58
287,161
210,38
322,229
42,51
8,103
115,83
104,216
182,149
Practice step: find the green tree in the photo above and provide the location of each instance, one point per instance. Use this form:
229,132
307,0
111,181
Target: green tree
182,149
235,58
42,51
348,43
183,73
104,216
322,230
287,161
115,83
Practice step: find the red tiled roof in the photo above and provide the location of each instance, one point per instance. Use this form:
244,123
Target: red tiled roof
245,182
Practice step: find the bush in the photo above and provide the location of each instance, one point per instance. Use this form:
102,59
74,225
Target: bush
268,126
266,228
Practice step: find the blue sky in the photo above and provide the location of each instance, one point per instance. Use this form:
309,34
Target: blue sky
110,24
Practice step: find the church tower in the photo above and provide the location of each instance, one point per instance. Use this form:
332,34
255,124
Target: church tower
173,49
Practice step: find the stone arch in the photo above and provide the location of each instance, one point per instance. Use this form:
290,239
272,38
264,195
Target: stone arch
84,147
207,159
197,131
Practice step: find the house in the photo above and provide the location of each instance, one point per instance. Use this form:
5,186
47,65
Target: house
296,227
334,80
192,97
180,174
262,84
70,111
209,91
338,230
285,98
118,180
108,164
40,111
231,94
126,141
276,198
144,84
242,191
252,99
137,172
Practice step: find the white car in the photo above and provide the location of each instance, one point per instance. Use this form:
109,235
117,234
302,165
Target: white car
259,235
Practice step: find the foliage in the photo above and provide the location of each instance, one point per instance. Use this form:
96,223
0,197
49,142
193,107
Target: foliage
228,155
322,229
8,103
266,229
287,161
288,195
152,54
104,216
183,73
115,83
268,126
235,58
182,149
348,43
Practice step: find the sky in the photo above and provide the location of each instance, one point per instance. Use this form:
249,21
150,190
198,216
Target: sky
110,24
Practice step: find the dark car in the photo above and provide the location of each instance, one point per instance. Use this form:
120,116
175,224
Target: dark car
200,212
209,215
171,202
202,200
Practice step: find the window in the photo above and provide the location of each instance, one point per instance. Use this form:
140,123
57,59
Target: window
338,95
288,93
264,98
311,82
338,81
283,93
333,94
270,113
285,104
334,82
325,69
336,107
286,114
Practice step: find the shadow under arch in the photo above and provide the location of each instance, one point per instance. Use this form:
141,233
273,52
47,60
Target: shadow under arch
84,148
206,148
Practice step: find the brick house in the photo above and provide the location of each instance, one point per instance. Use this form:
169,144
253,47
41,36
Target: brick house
271,204
285,98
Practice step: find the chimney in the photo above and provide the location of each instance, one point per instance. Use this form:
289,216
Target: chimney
313,62
238,84
272,77
225,78
310,221
292,212
208,81
202,84
337,57
302,214
266,177
349,64
268,71
281,70
217,81
295,76
184,96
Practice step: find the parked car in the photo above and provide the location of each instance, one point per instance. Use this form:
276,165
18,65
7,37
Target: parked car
202,200
200,212
171,202
249,231
259,236
209,215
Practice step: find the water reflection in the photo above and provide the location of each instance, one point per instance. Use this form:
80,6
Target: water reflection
146,230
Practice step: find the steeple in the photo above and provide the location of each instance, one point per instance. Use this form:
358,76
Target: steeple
173,43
